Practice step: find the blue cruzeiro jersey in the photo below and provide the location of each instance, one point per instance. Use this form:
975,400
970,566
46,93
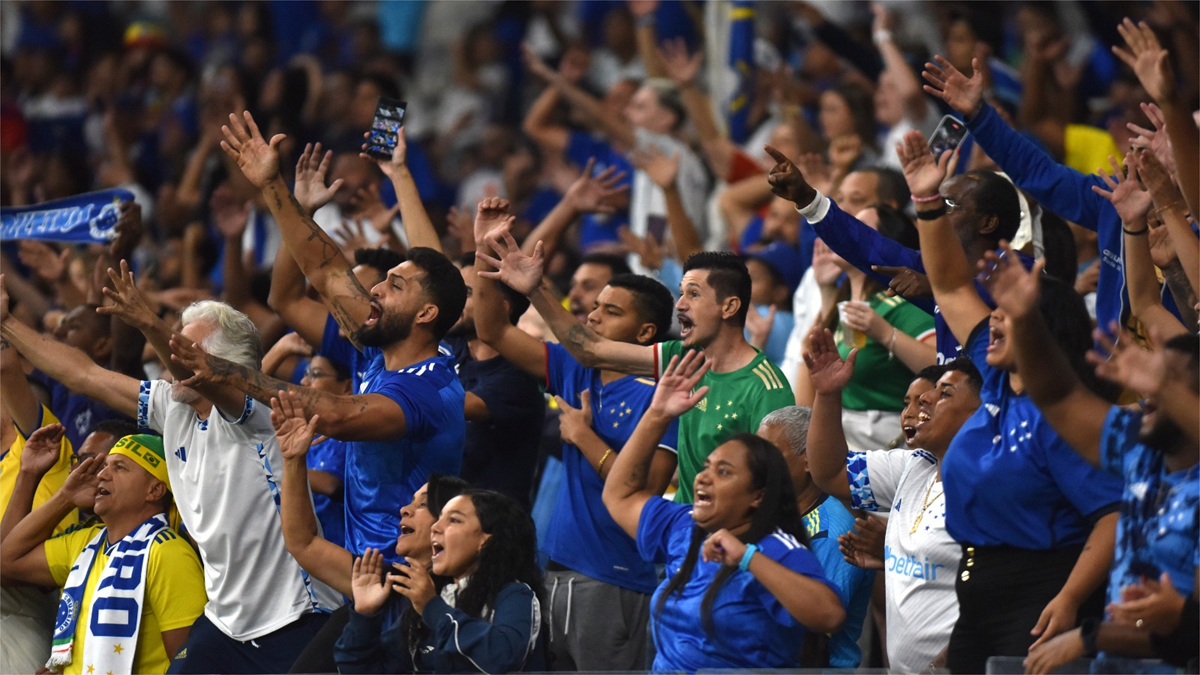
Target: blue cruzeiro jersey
582,535
1158,530
382,476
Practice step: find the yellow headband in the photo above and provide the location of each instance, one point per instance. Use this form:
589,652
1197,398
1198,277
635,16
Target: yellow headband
147,451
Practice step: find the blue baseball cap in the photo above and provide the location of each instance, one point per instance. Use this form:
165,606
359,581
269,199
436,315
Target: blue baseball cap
784,259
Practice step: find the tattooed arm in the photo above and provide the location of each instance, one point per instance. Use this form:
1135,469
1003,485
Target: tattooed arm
314,250
361,417
625,488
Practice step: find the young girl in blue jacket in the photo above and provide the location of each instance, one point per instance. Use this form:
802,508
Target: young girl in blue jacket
487,618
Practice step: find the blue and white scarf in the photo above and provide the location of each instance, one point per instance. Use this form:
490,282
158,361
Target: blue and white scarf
79,219
116,604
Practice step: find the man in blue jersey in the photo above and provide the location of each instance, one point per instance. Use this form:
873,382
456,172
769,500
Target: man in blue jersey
825,519
406,420
599,586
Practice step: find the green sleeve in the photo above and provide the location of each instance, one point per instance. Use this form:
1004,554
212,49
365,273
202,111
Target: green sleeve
907,318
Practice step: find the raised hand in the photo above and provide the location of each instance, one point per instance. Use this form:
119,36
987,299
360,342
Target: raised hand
1127,197
574,64
42,450
964,94
816,172
50,265
680,67
520,272
676,392
574,422
1129,365
257,158
1162,251
129,231
367,583
128,304
292,430
490,215
368,204
723,548
1148,60
844,151
786,180
1155,140
906,282
1014,289
645,248
923,172
311,191
662,169
80,485
759,327
599,193
829,373
536,65
1158,182
414,584
206,368
860,317
229,216
399,160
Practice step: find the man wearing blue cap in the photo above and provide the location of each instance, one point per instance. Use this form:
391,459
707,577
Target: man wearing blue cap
775,272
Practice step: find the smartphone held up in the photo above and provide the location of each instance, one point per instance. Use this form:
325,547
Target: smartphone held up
385,128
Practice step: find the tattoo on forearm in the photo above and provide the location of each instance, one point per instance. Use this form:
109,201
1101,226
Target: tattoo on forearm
1181,289
578,335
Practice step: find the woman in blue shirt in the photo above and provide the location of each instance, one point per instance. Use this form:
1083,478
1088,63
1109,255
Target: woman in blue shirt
743,589
1036,522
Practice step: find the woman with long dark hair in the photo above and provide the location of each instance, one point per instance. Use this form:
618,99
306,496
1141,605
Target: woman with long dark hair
743,588
487,615
1036,522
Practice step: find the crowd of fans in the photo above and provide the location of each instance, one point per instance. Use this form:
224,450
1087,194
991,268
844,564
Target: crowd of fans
662,341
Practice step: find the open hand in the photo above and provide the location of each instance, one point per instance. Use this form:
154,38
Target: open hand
829,373
50,265
522,273
1162,251
1128,364
1155,140
676,392
958,91
81,484
599,193
127,301
1148,60
206,368
257,158
292,430
1127,197
1014,289
42,450
490,214
415,584
662,170
311,191
923,172
646,248
759,327
787,181
367,583
680,67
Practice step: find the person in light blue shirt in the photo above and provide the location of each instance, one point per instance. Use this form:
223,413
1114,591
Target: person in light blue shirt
825,519
743,590
774,275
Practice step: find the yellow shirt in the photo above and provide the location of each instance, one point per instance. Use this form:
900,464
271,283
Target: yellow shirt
174,596
1087,149
10,466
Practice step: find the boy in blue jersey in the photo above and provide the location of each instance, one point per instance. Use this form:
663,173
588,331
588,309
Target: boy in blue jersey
1158,530
825,519
406,420
600,587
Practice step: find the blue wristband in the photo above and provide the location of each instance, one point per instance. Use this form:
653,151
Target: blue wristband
751,549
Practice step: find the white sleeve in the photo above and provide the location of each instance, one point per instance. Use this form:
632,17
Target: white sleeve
874,477
153,398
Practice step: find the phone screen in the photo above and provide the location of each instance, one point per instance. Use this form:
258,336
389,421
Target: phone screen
949,134
656,227
385,128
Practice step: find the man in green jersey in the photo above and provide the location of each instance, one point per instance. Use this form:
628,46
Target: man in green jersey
714,298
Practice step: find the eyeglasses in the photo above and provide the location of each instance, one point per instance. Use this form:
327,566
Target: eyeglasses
951,205
317,374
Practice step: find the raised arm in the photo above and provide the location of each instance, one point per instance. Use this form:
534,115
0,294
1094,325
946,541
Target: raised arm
610,122
1171,208
1070,407
1150,62
683,69
625,489
523,274
23,558
71,367
128,305
315,251
539,122
827,447
1145,371
417,225
896,66
491,320
348,418
320,557
663,171
588,194
15,392
950,273
40,454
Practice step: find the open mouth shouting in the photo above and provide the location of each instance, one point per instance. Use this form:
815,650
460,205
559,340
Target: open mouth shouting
997,340
376,312
438,549
909,432
685,326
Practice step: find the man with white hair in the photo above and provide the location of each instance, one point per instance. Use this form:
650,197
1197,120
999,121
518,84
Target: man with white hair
262,608
825,519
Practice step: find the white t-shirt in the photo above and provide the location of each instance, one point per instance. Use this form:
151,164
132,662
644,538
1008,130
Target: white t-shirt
920,563
647,201
806,309
227,493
